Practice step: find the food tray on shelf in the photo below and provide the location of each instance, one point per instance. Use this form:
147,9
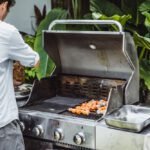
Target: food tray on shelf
23,91
129,117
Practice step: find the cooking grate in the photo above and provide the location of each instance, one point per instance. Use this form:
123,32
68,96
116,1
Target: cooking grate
104,92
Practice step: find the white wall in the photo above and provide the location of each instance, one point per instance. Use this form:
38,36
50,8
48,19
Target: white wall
22,14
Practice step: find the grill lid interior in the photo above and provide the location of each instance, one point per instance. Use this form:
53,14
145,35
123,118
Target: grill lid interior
90,54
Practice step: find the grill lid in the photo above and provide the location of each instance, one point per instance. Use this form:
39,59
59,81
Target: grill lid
90,53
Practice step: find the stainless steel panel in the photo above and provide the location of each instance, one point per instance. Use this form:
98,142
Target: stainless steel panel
115,99
129,117
34,121
106,59
41,90
72,128
132,88
111,139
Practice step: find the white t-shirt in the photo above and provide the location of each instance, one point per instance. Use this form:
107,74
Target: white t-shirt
12,47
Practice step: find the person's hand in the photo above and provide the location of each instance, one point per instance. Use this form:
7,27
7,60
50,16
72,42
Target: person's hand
37,64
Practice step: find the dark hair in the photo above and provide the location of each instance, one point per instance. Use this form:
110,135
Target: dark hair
10,2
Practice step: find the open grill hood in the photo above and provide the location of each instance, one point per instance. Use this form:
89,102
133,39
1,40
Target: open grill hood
101,54
94,53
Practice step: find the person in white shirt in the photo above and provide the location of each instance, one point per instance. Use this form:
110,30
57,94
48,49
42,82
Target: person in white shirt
12,47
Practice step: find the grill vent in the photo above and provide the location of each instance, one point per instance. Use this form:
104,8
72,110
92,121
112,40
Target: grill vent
86,87
82,87
104,92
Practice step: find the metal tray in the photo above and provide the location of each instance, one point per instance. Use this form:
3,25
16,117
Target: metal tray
23,91
129,117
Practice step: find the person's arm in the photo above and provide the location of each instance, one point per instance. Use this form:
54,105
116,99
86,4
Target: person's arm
20,51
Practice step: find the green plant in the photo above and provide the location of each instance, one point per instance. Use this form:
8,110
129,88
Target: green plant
76,7
144,58
103,7
122,19
144,43
145,73
101,11
46,64
144,8
39,15
29,39
30,73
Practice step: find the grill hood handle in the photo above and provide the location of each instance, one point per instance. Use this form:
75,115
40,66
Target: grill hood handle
86,22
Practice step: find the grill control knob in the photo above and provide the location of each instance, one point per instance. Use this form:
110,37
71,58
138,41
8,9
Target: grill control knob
22,126
37,130
58,134
79,138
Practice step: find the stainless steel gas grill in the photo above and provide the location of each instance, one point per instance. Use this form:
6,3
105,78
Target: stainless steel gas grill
92,67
